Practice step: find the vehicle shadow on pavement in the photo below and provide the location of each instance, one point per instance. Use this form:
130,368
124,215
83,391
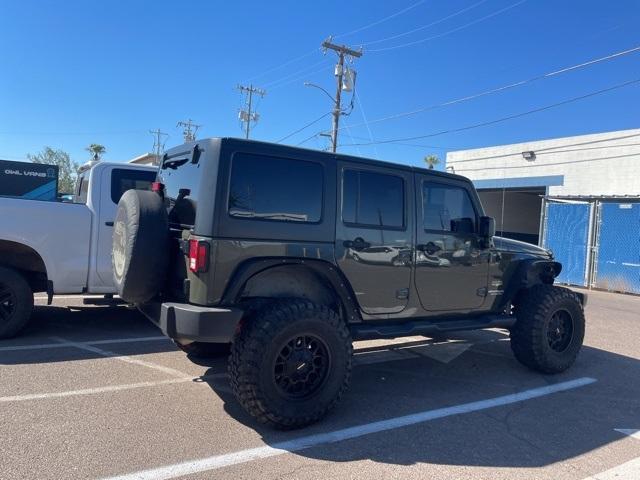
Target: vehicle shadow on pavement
532,433
81,324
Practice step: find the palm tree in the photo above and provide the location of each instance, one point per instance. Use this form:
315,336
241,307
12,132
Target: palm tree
96,150
431,160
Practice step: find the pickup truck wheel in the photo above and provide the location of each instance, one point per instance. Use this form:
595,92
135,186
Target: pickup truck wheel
16,302
205,350
549,329
291,363
140,246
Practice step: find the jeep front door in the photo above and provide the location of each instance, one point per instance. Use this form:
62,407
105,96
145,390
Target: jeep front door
452,264
374,235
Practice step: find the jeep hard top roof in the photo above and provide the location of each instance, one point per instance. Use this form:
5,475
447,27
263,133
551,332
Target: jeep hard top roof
297,152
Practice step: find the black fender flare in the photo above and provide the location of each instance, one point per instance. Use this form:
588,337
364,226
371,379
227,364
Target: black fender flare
336,280
530,272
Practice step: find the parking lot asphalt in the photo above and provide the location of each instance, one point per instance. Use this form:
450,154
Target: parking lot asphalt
97,392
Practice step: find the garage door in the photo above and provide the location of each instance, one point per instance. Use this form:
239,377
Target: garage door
618,264
566,233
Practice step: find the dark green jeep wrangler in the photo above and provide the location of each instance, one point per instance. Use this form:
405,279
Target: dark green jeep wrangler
286,255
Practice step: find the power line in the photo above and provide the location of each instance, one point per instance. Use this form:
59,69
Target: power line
309,53
308,138
510,167
504,87
364,117
298,72
382,20
282,65
457,29
436,22
555,148
303,128
502,119
302,77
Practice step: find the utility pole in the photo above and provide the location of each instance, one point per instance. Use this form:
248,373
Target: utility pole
247,116
158,143
189,130
342,51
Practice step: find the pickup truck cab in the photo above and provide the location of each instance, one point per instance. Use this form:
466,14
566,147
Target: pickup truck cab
62,247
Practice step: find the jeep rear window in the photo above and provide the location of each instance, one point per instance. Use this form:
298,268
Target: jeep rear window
273,188
181,179
372,199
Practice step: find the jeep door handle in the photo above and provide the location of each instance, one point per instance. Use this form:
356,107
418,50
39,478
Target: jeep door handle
356,244
429,248
109,224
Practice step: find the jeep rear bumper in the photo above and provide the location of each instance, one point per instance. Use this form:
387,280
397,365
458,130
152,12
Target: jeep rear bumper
193,322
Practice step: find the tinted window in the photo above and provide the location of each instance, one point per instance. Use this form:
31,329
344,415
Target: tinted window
181,179
270,188
123,180
443,207
373,199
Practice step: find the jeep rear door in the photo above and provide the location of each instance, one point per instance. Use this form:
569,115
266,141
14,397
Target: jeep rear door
451,266
374,234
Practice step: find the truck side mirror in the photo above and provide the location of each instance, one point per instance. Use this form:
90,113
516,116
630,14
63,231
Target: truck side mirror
487,227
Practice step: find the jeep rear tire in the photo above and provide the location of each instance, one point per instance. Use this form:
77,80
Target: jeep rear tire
291,363
140,246
549,329
16,302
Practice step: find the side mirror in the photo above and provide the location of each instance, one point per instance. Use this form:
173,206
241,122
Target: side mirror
462,225
487,227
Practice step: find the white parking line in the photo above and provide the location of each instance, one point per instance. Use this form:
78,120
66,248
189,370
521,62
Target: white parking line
244,456
90,391
108,341
115,388
632,432
122,358
627,471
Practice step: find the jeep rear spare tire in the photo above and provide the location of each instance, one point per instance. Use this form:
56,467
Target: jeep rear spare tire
140,246
291,363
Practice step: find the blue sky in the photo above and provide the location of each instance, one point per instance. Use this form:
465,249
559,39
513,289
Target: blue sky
77,72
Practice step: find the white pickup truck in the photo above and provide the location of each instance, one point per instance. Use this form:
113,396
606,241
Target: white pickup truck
62,247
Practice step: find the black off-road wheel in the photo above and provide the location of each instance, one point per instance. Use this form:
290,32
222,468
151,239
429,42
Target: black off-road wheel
204,350
291,363
549,329
16,302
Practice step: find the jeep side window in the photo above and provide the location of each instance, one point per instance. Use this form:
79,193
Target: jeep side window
272,188
123,180
372,199
447,208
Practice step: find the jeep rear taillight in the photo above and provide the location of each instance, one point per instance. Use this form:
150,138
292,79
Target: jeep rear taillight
198,256
157,187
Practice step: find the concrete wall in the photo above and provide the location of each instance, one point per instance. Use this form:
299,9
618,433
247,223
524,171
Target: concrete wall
599,164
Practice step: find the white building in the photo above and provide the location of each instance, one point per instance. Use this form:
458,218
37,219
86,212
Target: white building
562,193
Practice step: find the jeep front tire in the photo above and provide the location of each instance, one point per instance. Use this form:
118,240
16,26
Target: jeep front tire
290,363
549,328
